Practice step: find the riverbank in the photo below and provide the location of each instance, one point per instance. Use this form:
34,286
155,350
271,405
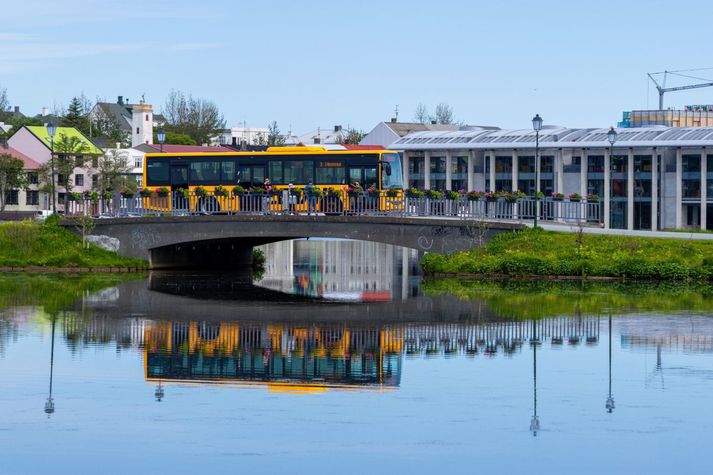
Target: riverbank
536,252
45,247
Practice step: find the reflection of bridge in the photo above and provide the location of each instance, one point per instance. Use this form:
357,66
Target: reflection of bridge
227,241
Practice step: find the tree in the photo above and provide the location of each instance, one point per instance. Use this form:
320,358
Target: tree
12,177
259,139
175,139
444,114
351,136
107,126
198,118
421,115
274,137
77,115
113,169
4,101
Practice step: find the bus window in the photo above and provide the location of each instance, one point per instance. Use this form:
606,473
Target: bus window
330,173
157,172
355,175
228,172
395,179
299,172
275,172
245,178
258,176
203,173
370,177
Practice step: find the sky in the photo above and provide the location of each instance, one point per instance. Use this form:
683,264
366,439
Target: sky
312,64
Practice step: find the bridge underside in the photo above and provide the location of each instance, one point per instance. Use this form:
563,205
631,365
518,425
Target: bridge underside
227,241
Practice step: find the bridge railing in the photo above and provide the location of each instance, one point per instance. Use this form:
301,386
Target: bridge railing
181,203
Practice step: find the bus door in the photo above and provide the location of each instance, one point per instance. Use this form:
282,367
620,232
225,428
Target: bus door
251,175
179,180
366,176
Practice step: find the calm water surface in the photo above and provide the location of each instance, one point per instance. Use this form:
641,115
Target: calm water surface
339,358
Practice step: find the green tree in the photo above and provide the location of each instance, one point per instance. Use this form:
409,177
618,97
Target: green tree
198,118
12,177
175,139
108,127
4,102
113,170
77,115
274,137
351,136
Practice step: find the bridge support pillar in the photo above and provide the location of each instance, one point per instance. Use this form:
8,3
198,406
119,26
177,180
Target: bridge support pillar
202,255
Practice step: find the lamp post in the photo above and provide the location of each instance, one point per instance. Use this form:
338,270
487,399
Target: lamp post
611,137
610,399
51,130
161,135
537,126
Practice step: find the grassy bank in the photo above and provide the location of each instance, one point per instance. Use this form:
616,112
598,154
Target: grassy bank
542,298
25,244
545,253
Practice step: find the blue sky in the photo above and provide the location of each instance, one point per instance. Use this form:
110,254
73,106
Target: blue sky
318,63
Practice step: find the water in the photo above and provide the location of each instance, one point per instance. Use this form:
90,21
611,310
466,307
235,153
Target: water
340,358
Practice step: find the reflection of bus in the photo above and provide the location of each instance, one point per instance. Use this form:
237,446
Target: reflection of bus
328,169
293,356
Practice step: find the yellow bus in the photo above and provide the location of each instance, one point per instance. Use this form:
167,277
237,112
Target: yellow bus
329,170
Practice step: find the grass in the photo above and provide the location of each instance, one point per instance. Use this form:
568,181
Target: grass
546,253
24,244
540,298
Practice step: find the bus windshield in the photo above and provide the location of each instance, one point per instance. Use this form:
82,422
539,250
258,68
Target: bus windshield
395,180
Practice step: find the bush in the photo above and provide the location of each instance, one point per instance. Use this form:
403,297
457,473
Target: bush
238,190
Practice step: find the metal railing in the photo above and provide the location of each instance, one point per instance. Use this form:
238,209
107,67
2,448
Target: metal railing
340,203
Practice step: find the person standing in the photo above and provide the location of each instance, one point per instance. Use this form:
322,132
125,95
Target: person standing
268,196
310,191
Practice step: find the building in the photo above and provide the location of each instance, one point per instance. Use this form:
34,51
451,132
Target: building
690,116
24,203
320,136
137,120
239,135
656,178
35,143
386,133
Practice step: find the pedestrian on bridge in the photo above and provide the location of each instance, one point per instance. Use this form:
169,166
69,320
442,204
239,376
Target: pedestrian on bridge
311,198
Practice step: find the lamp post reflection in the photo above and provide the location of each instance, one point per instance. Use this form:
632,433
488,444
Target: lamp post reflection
49,404
158,394
610,399
534,343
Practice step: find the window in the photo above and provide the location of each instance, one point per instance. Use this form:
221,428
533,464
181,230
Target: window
137,163
330,172
157,172
275,172
298,172
32,197
32,178
79,179
147,117
395,179
205,172
11,197
137,130
227,174
61,180
95,180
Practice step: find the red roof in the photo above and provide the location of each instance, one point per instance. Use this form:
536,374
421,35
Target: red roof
362,147
29,164
189,148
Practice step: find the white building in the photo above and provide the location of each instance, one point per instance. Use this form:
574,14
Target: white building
652,178
239,135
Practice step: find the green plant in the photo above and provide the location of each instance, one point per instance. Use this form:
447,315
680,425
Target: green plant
414,193
475,195
575,197
163,192
393,192
238,190
106,195
257,190
145,193
452,195
220,191
184,193
94,197
433,194
201,192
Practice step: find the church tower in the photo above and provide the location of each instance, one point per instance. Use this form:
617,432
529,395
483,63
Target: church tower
141,124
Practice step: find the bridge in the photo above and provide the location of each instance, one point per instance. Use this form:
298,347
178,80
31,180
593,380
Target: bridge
226,241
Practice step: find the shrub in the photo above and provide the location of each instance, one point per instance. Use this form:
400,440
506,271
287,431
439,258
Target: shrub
414,193
221,191
145,193
238,190
433,194
201,192
163,192
452,195
393,192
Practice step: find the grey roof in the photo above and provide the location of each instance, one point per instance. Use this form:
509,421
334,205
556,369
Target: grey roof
556,137
404,128
121,113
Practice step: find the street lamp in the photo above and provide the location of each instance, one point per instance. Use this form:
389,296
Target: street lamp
51,130
611,137
161,138
537,126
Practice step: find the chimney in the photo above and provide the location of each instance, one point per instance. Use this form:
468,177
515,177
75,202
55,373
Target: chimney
45,111
393,120
337,128
17,109
433,122
120,100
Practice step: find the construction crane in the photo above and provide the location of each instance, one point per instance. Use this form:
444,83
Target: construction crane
661,87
